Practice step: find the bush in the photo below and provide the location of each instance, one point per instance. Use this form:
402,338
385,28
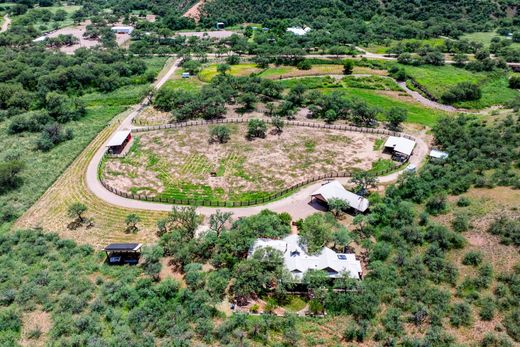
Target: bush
461,315
256,128
463,202
437,204
52,135
487,309
512,324
304,65
464,91
514,82
220,134
473,258
10,175
507,229
460,222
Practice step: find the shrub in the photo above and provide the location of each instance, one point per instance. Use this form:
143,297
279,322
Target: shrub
507,229
233,60
461,315
487,309
492,340
220,134
473,258
463,201
304,65
464,91
512,324
514,82
52,135
460,222
437,204
10,171
256,128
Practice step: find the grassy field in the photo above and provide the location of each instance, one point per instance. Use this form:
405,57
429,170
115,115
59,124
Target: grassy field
43,168
485,37
383,100
52,24
209,72
438,79
381,49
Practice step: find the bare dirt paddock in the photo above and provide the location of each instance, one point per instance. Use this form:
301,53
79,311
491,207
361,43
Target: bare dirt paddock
182,163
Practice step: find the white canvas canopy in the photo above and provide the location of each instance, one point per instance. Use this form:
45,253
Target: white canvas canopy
118,138
400,144
335,190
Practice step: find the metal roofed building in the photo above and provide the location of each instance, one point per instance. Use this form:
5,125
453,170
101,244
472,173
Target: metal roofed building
335,190
436,154
123,253
297,261
401,147
299,30
117,143
122,29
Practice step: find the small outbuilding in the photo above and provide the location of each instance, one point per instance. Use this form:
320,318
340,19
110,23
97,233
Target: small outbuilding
185,75
123,253
401,148
220,25
436,154
335,190
118,142
299,31
123,29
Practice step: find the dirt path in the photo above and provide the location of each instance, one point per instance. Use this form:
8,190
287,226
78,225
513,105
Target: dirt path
194,11
427,102
5,24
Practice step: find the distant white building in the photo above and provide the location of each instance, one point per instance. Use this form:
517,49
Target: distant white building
299,30
401,147
122,29
436,154
40,39
297,261
335,190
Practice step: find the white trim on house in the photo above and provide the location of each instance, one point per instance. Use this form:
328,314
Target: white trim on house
335,190
297,261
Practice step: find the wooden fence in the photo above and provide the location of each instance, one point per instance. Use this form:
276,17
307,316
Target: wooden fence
272,197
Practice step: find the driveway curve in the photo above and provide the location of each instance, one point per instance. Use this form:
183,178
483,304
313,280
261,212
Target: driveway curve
297,204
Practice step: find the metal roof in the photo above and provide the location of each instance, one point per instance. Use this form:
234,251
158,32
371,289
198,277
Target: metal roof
335,190
400,144
118,138
123,247
438,154
297,261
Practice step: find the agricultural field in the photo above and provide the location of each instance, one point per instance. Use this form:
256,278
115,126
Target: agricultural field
383,48
438,79
182,164
43,168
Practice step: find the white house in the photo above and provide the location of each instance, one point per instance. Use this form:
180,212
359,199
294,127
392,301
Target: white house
299,31
401,147
335,190
297,261
122,29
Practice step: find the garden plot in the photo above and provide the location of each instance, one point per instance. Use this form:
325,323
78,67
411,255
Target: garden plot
182,164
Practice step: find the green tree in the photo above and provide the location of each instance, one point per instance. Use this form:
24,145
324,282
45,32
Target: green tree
316,231
10,174
248,102
364,180
76,210
131,222
223,68
337,206
514,82
279,124
218,220
395,116
348,67
152,261
342,238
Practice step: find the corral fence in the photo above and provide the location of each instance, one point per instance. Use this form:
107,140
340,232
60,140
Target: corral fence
272,197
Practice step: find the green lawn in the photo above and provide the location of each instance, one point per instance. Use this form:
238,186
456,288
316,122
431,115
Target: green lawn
416,112
43,168
438,79
188,84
